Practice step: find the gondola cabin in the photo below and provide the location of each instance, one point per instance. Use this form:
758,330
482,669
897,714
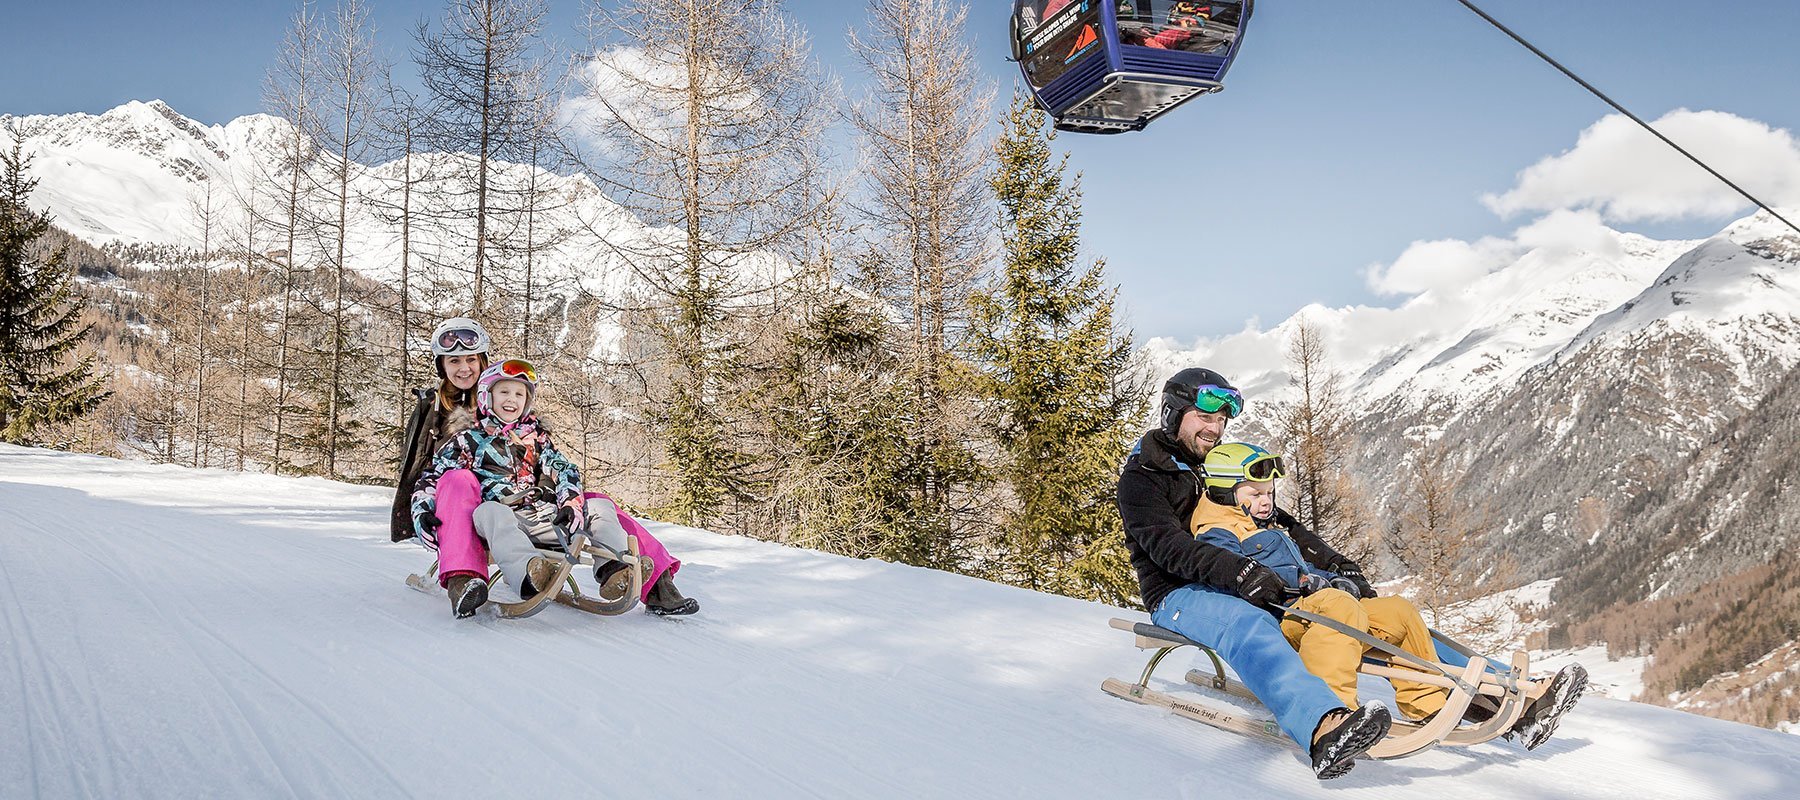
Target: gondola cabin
1107,66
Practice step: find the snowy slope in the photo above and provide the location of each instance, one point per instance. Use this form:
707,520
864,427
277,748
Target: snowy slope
200,633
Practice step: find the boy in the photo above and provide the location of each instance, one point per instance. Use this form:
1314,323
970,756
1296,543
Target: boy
1237,513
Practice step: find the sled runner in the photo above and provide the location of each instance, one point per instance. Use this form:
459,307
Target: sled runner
574,551
1499,688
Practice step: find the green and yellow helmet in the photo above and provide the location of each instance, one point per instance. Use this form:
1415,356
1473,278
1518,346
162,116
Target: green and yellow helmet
1233,463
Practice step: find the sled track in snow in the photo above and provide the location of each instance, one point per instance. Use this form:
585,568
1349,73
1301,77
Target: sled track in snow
180,633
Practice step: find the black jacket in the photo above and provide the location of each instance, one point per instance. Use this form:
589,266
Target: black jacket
423,432
1157,494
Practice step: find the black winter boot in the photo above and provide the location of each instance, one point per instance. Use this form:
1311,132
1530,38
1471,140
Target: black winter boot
666,601
1335,751
1540,718
467,593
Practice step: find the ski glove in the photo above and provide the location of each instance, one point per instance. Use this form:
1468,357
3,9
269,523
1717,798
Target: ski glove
1349,571
570,520
1259,585
429,522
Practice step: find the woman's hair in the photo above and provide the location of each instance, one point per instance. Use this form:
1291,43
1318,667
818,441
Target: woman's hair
447,390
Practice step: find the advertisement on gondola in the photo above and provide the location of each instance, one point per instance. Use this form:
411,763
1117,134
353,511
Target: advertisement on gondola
1070,35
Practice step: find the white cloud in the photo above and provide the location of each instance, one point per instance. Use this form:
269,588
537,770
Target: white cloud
1564,231
1439,264
647,92
1628,175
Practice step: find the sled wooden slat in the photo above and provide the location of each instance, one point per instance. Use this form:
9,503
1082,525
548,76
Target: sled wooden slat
1265,730
1233,688
1427,736
1485,687
1512,706
1151,637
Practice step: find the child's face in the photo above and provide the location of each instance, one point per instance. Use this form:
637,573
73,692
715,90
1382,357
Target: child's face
1258,497
509,399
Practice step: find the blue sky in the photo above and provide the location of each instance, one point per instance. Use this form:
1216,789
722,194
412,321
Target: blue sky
1348,131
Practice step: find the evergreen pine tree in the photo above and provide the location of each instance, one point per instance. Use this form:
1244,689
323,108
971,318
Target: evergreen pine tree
39,318
1059,372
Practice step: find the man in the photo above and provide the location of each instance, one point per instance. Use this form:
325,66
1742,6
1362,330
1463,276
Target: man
1219,598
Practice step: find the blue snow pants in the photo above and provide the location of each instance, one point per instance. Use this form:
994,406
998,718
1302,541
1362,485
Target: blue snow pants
1250,640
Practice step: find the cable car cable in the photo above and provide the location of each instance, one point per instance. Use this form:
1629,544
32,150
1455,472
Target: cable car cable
1621,109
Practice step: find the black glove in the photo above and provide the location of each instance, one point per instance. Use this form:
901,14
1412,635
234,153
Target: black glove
1349,571
1259,585
429,522
569,520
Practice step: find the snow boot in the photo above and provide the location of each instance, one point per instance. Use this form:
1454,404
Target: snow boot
540,575
467,593
1334,752
614,579
666,601
1540,718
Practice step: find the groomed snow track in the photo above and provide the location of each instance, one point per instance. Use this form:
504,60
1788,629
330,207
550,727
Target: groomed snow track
180,633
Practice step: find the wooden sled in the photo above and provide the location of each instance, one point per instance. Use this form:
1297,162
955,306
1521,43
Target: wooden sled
1502,691
575,551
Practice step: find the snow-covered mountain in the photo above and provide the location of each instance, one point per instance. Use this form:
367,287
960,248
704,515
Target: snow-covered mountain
1447,347
1579,364
127,175
134,174
188,633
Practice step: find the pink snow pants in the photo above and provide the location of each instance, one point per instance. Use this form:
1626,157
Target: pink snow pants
461,552
661,563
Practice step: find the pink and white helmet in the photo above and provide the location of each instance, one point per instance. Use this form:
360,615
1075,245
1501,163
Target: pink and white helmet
512,369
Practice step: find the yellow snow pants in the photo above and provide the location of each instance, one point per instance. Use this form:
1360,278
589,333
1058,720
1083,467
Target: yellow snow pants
1334,657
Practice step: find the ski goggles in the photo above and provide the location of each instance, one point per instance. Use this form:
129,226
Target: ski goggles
518,368
1266,467
455,339
1210,399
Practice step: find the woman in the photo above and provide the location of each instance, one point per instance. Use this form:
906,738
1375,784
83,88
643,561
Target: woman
459,349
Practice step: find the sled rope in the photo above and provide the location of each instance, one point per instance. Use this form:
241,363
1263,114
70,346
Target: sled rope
1622,110
1379,644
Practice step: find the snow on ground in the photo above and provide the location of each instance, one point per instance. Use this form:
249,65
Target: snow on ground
1622,679
201,633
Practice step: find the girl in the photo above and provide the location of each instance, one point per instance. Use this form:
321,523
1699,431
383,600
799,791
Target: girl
460,349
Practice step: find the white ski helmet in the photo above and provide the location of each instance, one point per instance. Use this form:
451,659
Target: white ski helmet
459,336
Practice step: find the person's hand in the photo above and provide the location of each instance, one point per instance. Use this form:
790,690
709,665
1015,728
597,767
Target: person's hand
1350,572
570,518
1310,583
429,522
1259,585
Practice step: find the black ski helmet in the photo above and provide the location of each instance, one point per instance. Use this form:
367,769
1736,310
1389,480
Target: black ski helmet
1181,390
